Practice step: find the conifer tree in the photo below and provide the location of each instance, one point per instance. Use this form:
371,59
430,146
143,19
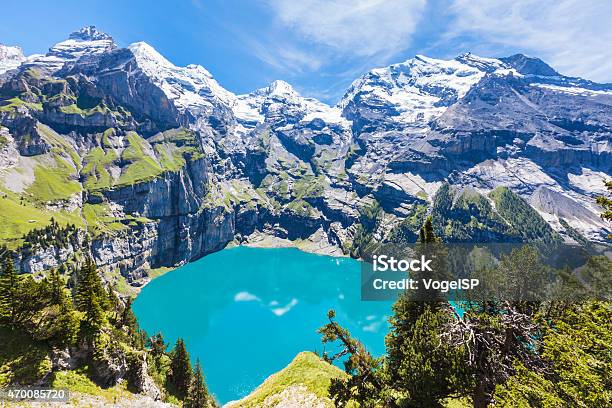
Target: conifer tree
113,300
364,385
422,369
181,368
56,287
128,319
129,323
158,346
90,298
198,393
9,288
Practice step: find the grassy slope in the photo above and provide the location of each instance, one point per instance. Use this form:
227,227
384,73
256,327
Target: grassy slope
55,178
18,217
78,382
520,215
95,169
145,159
56,174
307,369
142,166
13,103
54,183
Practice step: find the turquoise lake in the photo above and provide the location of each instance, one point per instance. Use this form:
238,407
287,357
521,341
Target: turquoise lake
247,312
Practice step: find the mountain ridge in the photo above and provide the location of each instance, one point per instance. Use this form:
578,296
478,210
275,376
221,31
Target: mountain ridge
132,147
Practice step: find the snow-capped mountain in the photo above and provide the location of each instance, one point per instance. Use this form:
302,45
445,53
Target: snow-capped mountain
205,166
85,42
191,88
280,102
10,58
412,93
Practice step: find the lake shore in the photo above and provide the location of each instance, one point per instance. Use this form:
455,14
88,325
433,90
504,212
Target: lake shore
315,244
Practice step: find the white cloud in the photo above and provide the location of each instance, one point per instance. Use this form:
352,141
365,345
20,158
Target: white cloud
284,56
245,297
358,27
279,311
573,36
373,327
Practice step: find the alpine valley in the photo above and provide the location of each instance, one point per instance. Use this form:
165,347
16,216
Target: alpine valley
160,165
118,154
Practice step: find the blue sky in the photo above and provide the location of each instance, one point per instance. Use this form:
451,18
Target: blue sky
321,46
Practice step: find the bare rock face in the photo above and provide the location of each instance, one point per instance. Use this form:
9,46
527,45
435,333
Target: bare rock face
110,368
140,379
67,359
28,138
46,258
130,252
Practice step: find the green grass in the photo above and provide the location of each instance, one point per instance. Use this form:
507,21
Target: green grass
301,207
122,286
105,137
142,170
59,145
54,183
18,217
56,172
142,167
13,103
75,110
157,272
307,369
100,220
136,147
22,360
145,159
77,381
97,176
170,156
308,187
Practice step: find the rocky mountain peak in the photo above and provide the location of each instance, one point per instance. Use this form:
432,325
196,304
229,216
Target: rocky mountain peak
277,88
481,63
86,42
529,65
146,53
191,87
280,87
89,33
413,92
